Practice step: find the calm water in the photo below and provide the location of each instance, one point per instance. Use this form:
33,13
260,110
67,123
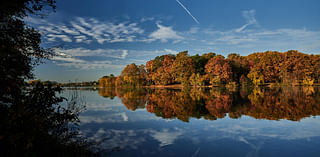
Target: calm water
211,122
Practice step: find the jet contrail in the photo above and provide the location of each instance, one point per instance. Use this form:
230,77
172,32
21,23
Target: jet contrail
188,11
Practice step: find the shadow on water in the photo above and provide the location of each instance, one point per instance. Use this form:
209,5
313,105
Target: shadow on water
290,103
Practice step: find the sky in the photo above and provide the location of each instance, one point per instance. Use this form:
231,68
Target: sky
92,39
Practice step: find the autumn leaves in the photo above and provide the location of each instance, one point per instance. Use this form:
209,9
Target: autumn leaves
267,68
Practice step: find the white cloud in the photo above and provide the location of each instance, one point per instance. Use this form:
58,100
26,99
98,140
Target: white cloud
80,51
50,29
70,58
252,39
251,20
69,31
91,65
124,54
193,30
171,51
164,34
80,38
52,37
85,30
67,59
84,22
145,19
261,39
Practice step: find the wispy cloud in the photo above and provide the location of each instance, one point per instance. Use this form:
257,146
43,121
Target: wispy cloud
84,59
124,54
249,15
145,19
80,51
193,30
262,40
195,19
164,33
76,58
86,30
91,65
245,39
53,37
171,51
67,59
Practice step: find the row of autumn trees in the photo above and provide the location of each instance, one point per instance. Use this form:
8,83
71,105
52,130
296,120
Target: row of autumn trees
291,103
291,67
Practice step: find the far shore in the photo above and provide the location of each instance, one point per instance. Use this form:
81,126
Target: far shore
179,86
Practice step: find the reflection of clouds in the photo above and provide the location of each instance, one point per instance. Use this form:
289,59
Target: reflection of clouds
166,137
255,147
254,133
113,112
265,129
110,139
143,131
124,116
116,139
108,118
102,106
196,152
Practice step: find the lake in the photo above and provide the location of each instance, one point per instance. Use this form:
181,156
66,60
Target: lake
203,122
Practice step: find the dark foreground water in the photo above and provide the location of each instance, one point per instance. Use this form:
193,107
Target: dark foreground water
203,122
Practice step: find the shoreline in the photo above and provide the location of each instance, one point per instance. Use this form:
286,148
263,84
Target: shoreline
179,86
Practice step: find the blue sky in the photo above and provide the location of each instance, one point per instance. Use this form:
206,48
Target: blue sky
97,38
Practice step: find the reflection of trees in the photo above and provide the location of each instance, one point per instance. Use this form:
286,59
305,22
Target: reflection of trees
292,103
284,103
131,98
169,103
219,105
107,92
160,102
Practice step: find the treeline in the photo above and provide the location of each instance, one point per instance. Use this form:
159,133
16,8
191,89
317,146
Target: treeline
69,84
265,68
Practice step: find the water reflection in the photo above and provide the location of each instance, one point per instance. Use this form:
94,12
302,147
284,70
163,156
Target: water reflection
291,103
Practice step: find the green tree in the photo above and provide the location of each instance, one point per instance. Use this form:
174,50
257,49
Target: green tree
195,80
183,67
107,81
132,75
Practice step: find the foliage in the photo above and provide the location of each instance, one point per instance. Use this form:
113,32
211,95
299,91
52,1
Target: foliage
218,70
32,122
107,81
37,124
182,68
163,75
132,75
271,67
195,80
